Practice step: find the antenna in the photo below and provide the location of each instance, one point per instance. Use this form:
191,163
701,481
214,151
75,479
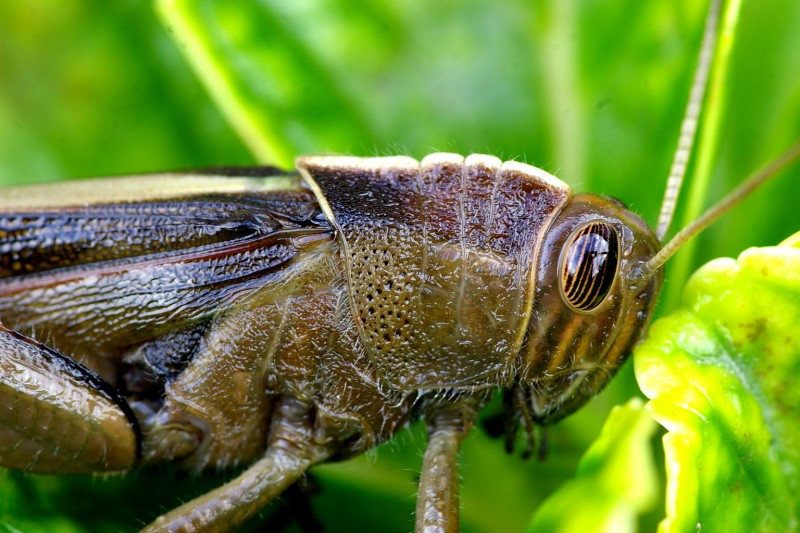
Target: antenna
715,211
689,124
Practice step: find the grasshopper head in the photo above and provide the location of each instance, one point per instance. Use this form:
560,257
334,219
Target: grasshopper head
591,303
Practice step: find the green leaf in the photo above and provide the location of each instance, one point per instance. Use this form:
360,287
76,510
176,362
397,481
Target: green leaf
721,374
615,482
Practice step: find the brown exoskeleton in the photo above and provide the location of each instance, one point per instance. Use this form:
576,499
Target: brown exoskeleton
283,319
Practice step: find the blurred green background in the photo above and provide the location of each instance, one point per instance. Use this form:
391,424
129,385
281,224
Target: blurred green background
592,91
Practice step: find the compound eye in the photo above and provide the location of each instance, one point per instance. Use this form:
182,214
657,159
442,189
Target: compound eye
589,266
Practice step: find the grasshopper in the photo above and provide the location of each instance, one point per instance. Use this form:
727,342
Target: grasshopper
264,229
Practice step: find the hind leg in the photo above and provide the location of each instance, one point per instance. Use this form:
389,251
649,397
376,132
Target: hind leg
57,416
291,451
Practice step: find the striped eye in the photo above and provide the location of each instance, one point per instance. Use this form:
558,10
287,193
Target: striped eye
589,265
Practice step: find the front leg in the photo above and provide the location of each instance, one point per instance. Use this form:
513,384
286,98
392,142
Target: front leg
57,416
437,498
291,451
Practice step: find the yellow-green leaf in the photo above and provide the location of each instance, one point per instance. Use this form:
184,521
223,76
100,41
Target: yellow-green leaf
721,374
616,480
